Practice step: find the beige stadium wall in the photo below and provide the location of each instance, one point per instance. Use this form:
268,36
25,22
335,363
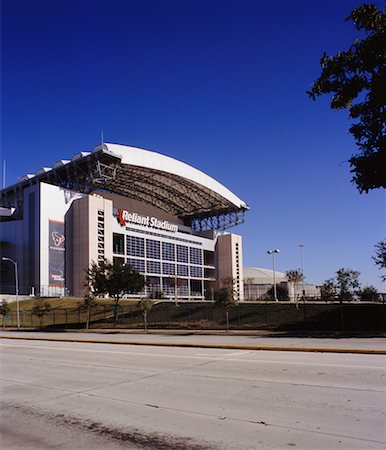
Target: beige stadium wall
229,262
83,229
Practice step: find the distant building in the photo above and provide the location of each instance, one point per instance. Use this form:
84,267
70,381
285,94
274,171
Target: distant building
258,281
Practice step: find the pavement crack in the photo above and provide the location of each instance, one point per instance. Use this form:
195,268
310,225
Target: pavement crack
236,419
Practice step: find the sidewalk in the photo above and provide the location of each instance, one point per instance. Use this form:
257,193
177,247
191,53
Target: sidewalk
250,340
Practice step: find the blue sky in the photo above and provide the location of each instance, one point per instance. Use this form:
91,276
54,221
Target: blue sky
220,85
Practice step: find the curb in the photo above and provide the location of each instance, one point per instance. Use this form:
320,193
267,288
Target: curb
215,346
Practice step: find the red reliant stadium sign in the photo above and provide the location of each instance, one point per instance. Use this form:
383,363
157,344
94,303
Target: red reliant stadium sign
125,217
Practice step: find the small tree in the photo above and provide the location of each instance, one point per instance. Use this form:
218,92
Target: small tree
145,305
225,297
4,310
114,280
40,309
347,284
380,257
369,294
294,277
88,304
328,290
344,286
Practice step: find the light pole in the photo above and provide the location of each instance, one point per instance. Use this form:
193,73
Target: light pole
4,258
272,252
302,266
301,257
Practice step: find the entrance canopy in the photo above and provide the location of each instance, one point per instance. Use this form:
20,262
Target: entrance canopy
166,183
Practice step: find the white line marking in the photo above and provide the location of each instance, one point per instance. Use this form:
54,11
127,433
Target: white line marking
213,358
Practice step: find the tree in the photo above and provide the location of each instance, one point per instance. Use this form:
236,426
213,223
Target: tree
88,304
4,310
145,305
343,287
40,309
329,290
360,74
294,277
369,294
380,257
225,297
114,280
347,284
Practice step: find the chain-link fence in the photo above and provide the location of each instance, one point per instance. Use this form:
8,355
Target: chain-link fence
201,315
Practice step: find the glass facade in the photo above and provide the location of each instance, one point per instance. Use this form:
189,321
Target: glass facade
153,249
153,267
168,251
182,271
168,268
182,253
195,256
138,264
195,272
161,261
135,246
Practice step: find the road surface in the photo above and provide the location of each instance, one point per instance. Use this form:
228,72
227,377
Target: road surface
67,395
187,337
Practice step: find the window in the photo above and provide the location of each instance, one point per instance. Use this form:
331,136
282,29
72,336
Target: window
118,244
182,253
196,272
182,271
138,264
135,246
101,235
195,256
153,267
168,252
154,285
168,269
153,249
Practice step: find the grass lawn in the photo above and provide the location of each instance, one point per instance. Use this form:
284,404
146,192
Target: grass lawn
66,302
64,311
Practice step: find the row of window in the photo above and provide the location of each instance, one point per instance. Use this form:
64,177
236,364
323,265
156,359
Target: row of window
101,235
139,247
154,267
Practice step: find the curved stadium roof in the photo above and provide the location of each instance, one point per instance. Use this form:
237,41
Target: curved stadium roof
164,182
263,276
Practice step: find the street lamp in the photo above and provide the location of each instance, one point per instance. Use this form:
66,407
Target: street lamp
301,257
272,252
4,258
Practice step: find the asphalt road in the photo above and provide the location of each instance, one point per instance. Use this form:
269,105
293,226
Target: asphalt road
237,339
103,396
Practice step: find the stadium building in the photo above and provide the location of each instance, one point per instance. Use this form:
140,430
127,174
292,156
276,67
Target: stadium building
164,217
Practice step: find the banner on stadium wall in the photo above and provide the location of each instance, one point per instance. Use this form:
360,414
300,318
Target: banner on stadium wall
56,248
